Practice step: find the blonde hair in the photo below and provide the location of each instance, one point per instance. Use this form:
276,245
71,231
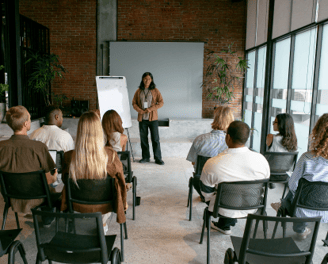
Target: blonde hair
16,116
89,159
319,136
223,116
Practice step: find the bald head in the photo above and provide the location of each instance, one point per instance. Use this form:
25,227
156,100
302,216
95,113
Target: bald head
53,116
238,133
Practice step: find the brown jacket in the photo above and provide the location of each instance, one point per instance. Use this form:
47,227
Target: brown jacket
156,103
115,170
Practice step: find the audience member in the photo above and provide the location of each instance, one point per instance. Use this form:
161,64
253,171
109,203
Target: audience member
51,134
213,143
19,154
91,160
286,139
112,125
313,166
237,163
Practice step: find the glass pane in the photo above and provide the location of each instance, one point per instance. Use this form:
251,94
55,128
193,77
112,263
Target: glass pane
322,100
259,93
302,82
248,101
280,79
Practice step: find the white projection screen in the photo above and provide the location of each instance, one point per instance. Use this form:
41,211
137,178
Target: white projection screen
177,68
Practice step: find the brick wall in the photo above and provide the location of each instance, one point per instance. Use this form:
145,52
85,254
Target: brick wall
72,25
218,23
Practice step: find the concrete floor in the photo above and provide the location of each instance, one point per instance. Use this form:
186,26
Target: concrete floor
161,232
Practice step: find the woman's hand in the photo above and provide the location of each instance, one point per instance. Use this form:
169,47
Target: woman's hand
147,110
269,140
126,206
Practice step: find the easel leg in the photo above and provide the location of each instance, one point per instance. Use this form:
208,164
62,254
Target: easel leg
130,144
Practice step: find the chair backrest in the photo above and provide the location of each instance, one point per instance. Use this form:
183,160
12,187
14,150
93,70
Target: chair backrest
281,162
276,244
126,162
201,160
58,157
311,195
87,244
241,195
90,191
27,186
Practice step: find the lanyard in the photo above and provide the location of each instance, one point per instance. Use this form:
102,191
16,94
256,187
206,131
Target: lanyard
146,95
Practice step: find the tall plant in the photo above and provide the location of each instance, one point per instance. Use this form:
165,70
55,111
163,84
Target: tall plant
3,88
44,69
222,74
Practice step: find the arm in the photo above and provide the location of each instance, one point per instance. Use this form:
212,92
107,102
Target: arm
192,155
269,140
123,141
297,174
208,182
159,101
51,177
135,103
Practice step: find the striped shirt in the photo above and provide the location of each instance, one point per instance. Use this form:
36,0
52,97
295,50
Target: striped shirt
207,145
312,169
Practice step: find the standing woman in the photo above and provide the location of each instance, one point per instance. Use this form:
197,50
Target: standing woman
146,101
285,140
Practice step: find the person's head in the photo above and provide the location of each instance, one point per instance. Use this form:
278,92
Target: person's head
147,81
112,122
319,137
53,116
223,116
237,134
89,159
284,123
19,119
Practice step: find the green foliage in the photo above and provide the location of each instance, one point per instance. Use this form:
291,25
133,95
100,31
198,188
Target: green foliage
221,77
44,68
58,99
3,88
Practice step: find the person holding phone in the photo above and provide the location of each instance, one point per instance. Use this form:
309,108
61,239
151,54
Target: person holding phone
147,99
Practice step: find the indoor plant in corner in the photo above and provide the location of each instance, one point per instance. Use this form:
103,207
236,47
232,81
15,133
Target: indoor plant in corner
3,89
44,68
223,71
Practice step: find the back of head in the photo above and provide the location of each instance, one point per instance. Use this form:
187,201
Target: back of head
89,159
223,116
238,132
50,113
16,116
287,131
319,137
112,122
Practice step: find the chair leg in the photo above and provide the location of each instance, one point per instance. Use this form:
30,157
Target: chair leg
38,260
134,194
22,253
208,223
122,243
5,213
125,231
325,259
17,220
16,245
285,188
203,228
190,198
190,179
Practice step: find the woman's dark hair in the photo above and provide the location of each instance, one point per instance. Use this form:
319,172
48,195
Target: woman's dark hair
152,84
287,131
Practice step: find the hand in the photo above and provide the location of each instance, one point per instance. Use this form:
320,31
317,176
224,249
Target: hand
147,110
55,174
126,206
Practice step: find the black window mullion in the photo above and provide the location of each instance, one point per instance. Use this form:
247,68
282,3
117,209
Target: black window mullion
290,73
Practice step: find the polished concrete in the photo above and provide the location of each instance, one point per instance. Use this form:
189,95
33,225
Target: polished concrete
161,232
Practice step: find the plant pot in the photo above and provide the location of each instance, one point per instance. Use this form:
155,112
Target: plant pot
2,111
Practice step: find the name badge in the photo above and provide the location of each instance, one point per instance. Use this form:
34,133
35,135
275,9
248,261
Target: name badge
145,105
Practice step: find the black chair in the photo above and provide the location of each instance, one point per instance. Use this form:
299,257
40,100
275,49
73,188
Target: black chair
280,163
194,181
93,192
311,196
9,246
87,244
26,186
242,195
277,248
325,259
129,178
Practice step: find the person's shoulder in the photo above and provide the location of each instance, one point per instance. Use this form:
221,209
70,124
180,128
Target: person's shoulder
36,132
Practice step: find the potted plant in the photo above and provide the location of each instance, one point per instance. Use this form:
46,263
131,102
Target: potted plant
58,99
222,73
44,68
3,89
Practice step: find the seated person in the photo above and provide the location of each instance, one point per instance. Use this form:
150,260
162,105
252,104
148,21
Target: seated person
237,163
313,166
285,140
51,134
213,143
92,160
112,125
19,154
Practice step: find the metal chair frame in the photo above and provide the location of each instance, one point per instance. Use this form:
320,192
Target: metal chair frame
8,245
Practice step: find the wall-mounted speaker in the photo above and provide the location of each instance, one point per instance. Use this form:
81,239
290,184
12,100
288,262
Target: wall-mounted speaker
79,107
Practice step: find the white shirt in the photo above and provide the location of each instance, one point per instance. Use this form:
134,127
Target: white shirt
233,164
276,145
54,137
115,141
